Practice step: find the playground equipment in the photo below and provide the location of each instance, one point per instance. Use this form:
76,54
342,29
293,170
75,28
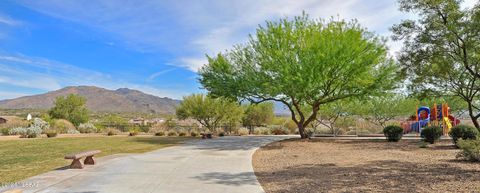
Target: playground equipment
438,115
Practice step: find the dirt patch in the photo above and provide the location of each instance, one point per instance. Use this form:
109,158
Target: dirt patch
363,166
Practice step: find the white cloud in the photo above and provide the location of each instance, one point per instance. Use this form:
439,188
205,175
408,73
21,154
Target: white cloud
159,73
6,20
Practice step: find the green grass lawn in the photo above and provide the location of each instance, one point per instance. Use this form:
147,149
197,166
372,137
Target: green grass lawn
20,159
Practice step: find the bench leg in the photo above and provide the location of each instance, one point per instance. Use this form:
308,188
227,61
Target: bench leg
89,160
76,164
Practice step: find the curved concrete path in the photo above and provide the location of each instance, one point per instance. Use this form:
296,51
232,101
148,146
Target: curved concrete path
220,165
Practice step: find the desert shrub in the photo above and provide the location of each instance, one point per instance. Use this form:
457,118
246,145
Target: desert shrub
431,134
87,128
221,134
279,131
243,131
470,150
262,131
51,133
62,125
182,133
18,131
193,134
73,131
160,133
40,124
464,132
34,131
172,133
132,133
5,131
110,131
393,133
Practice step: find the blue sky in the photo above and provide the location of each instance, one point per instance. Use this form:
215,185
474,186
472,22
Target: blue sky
153,46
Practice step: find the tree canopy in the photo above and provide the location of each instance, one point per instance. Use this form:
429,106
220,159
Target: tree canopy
257,115
441,49
71,108
302,63
209,112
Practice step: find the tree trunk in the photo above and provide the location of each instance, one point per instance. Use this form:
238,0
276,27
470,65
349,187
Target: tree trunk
473,116
301,131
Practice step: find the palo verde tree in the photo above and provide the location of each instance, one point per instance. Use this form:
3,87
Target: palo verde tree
302,63
209,112
330,114
381,109
257,115
71,108
441,49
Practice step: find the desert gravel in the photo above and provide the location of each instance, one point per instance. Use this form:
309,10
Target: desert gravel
363,166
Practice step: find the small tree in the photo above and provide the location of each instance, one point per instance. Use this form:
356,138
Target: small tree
303,64
329,114
209,112
71,108
257,115
381,109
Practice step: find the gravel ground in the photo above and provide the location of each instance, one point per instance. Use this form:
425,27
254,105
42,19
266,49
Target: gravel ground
363,166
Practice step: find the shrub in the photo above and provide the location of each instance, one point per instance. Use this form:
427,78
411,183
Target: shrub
464,132
34,131
73,131
5,131
112,131
193,134
221,134
62,125
51,133
18,131
393,133
133,133
262,131
470,150
172,133
431,134
279,131
182,133
160,133
243,131
87,128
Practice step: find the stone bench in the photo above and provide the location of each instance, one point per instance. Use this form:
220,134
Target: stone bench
88,155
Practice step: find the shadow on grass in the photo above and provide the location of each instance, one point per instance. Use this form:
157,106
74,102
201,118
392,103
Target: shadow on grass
375,176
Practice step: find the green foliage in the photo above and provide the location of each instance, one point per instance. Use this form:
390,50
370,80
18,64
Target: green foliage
209,112
381,109
160,133
393,133
61,125
110,131
302,63
193,134
182,133
51,133
257,115
440,53
5,131
470,150
431,134
72,108
87,128
464,132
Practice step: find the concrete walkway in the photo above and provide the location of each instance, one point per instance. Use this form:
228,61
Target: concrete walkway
220,165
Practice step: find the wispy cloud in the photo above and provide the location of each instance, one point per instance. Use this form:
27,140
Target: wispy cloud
6,20
46,75
159,73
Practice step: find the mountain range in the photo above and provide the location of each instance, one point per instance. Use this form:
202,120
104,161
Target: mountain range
99,100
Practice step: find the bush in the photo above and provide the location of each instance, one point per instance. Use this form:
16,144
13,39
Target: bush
133,133
87,128
470,150
18,131
51,134
172,133
72,131
221,134
393,133
464,132
5,131
431,134
34,131
193,134
160,133
112,131
243,131
62,125
182,133
262,131
279,131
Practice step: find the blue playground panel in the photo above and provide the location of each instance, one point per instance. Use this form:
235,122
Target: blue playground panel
415,126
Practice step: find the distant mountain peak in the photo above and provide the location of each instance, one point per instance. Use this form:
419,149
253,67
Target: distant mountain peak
99,100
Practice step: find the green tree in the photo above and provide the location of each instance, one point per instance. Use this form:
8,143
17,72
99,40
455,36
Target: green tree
329,115
381,109
71,108
209,112
303,64
257,115
441,49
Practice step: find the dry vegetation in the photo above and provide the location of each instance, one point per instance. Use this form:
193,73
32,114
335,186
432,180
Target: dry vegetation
363,166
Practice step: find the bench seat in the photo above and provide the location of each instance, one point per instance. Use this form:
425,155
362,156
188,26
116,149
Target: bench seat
88,155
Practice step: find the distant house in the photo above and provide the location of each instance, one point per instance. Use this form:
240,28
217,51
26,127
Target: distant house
3,120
